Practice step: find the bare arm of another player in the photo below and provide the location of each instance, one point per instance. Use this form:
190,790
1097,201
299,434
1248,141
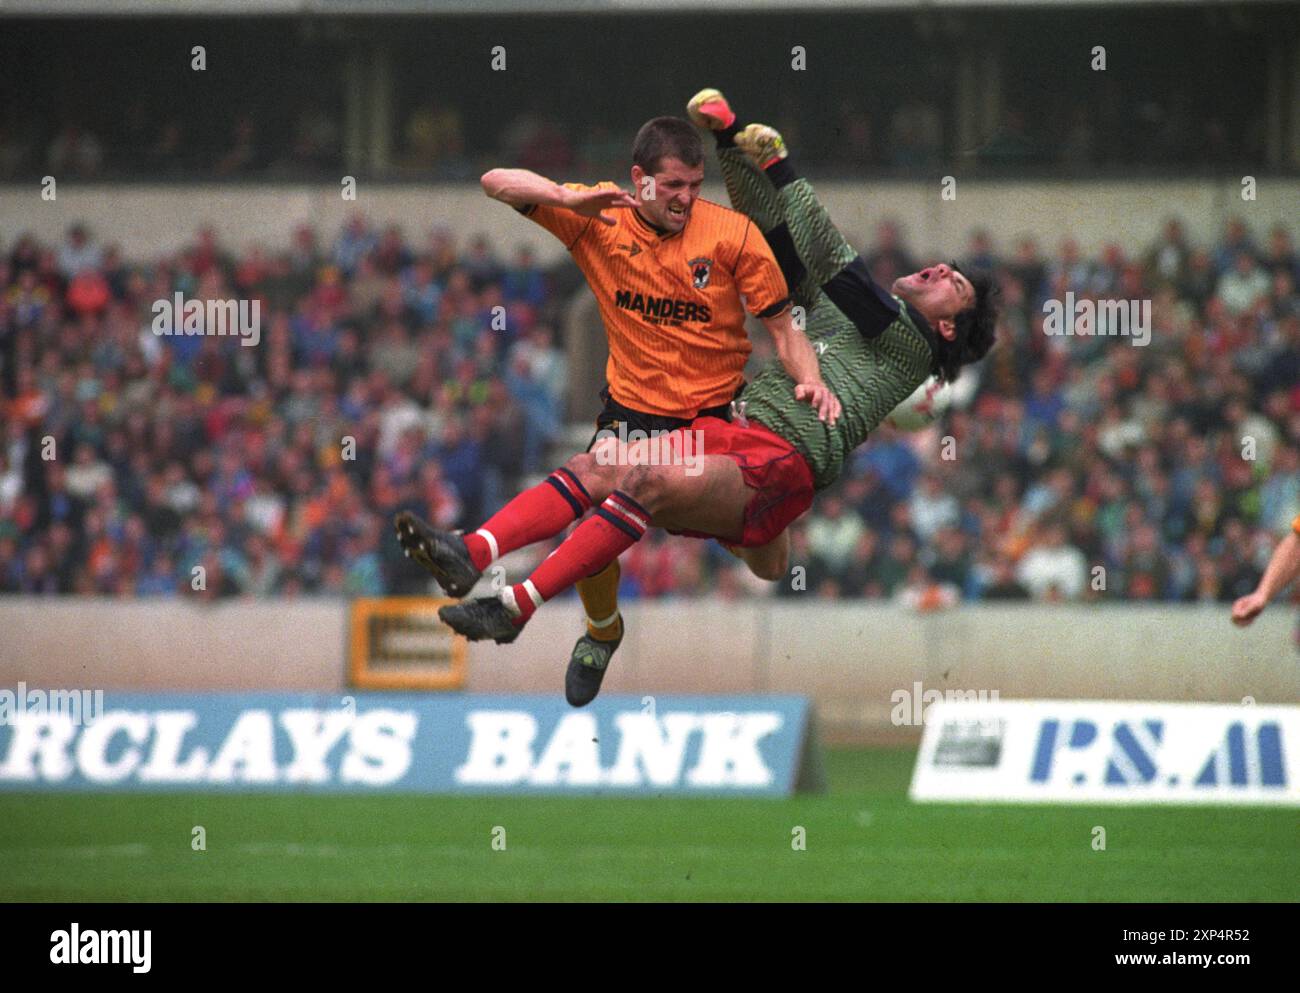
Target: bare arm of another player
1283,567
521,187
800,360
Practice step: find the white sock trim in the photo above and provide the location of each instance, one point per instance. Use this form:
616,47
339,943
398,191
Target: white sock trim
533,595
494,549
606,622
507,596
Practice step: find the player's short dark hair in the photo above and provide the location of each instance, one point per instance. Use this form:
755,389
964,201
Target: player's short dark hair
976,329
667,137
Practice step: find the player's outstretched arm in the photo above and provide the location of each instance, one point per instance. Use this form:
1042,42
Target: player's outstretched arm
823,251
831,262
1282,569
524,188
750,190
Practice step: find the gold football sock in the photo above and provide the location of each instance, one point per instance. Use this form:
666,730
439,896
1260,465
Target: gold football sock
600,600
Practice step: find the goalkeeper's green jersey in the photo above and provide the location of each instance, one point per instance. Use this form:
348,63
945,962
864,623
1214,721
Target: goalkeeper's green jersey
870,378
873,350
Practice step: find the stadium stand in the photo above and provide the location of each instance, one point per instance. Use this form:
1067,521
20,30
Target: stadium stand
183,451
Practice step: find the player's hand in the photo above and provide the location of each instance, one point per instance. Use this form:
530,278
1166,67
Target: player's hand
592,203
1247,608
826,403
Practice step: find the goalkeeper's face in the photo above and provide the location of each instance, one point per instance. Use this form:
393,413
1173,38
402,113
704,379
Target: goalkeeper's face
665,198
939,293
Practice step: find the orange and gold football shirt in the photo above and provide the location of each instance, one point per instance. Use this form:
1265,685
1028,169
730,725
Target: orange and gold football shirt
673,304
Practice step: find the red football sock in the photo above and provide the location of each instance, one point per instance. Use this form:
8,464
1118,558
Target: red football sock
537,513
616,526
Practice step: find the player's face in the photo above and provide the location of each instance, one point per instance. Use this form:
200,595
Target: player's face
666,198
939,292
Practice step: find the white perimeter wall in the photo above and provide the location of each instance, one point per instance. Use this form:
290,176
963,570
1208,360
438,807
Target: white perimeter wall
849,659
147,219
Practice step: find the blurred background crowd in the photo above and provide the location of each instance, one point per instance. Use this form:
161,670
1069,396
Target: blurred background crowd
434,142
1083,468
377,384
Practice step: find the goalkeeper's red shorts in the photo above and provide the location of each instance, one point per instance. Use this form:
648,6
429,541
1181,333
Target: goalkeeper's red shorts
772,467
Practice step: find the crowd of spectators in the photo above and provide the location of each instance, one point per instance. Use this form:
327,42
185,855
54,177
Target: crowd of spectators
387,375
1081,468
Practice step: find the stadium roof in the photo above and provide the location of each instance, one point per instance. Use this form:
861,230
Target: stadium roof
188,8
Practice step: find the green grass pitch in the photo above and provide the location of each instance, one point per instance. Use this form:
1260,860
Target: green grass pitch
865,841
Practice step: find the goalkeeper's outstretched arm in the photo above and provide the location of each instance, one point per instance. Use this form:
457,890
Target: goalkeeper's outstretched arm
753,194
831,262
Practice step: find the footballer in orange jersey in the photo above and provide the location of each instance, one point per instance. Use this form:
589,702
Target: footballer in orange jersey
674,276
671,300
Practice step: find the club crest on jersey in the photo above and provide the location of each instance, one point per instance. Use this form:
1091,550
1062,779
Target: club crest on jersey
700,270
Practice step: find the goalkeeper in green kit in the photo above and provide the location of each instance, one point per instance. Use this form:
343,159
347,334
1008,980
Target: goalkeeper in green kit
744,482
